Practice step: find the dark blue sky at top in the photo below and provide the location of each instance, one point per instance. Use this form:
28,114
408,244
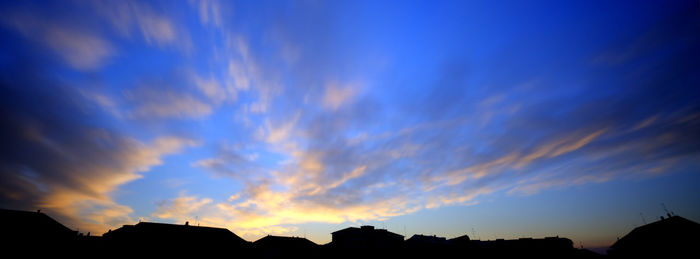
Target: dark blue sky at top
516,118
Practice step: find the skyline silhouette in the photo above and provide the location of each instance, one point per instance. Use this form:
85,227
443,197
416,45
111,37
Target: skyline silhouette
30,229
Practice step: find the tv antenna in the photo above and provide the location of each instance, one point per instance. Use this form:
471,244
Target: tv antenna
643,220
667,213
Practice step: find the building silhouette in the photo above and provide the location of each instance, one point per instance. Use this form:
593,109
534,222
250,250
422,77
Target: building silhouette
365,241
365,237
548,247
35,232
159,239
425,246
418,240
672,237
285,247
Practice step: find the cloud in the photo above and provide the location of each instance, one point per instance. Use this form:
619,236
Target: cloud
181,207
150,103
209,12
155,27
360,158
76,40
77,46
559,146
215,91
282,131
58,159
269,213
326,182
247,73
239,74
335,95
229,162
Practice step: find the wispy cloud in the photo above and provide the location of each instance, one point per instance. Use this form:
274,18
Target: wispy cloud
349,162
151,103
213,89
66,167
335,95
155,27
209,11
79,47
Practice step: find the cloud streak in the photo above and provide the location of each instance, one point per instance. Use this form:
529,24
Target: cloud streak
64,165
78,47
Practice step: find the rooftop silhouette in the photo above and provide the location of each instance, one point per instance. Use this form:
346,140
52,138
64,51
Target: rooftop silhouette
365,237
673,236
160,239
419,239
281,246
28,230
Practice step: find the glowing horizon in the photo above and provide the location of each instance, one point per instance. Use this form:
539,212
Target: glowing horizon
301,118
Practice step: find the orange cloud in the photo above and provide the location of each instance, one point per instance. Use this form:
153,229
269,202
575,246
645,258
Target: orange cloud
80,189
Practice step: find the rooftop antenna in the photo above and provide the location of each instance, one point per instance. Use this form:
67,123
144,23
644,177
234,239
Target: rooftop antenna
667,213
404,230
643,220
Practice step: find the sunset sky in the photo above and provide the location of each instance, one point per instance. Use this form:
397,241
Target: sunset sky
496,119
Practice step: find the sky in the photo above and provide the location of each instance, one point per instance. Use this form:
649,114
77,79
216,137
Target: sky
495,119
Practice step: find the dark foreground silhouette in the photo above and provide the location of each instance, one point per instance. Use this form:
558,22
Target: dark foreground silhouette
672,237
34,234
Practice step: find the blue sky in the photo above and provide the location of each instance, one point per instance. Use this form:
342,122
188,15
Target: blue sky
493,119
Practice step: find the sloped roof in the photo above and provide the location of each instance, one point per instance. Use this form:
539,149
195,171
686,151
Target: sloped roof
284,241
668,230
153,229
462,238
418,238
33,223
366,229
